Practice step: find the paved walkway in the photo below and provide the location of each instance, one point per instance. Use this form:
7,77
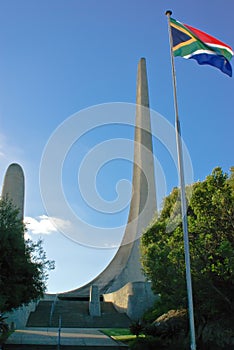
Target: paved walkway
69,336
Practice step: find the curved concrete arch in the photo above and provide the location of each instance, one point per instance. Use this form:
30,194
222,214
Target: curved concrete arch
125,267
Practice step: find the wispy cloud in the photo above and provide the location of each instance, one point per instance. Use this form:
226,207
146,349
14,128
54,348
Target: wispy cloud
27,236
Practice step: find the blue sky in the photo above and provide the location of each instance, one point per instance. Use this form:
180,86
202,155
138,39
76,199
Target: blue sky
60,57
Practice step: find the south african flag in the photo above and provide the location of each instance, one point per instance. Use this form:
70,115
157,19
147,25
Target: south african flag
189,42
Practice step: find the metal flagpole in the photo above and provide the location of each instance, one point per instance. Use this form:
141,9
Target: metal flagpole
183,195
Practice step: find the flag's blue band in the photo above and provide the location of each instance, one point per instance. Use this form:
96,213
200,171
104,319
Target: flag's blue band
217,61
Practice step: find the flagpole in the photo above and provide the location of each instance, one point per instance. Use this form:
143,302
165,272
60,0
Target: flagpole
183,195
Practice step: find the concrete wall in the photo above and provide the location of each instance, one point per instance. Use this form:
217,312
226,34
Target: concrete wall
134,299
18,318
49,297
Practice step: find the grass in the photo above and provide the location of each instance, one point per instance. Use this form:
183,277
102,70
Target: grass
120,334
116,331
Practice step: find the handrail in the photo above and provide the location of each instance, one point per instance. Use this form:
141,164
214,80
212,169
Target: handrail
52,309
59,332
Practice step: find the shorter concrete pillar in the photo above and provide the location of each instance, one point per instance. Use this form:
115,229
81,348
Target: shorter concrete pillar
13,187
94,301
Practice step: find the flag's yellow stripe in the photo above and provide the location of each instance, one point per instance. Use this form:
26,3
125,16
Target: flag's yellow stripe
181,29
190,41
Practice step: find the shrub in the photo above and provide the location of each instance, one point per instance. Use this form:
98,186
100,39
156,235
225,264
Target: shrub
136,328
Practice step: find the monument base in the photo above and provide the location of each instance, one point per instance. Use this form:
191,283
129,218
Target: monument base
134,299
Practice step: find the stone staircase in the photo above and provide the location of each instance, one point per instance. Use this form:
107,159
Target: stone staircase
75,314
41,316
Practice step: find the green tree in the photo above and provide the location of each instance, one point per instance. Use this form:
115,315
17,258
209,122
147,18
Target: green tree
211,235
23,264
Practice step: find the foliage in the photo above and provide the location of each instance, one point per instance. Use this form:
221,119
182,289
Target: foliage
23,264
148,343
156,310
171,329
136,328
217,334
231,178
211,235
4,330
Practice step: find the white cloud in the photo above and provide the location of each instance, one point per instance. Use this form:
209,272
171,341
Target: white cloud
27,236
43,224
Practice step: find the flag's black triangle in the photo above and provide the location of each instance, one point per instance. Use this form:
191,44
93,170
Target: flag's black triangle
179,36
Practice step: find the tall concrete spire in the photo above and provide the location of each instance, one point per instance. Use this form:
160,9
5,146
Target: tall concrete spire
143,171
143,202
125,266
142,95
13,187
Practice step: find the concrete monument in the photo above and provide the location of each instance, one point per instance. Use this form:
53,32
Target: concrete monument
125,267
122,282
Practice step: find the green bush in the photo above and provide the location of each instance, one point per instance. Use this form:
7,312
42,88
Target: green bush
136,328
157,310
4,329
147,343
